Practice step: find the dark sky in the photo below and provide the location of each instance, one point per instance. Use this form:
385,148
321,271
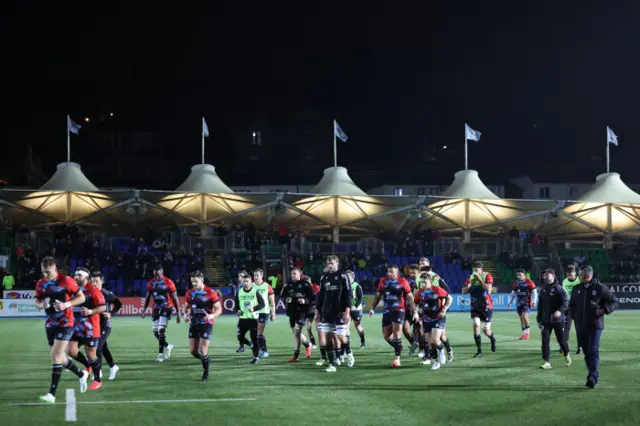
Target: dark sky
540,80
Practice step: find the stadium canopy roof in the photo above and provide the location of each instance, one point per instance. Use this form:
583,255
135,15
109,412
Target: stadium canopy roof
608,207
67,197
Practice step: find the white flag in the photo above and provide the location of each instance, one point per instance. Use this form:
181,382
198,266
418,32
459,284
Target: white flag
72,126
611,137
205,128
471,134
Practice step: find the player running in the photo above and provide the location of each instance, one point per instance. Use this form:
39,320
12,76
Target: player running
86,325
525,295
298,296
334,303
266,313
113,306
438,281
479,286
165,299
396,292
434,302
248,303
57,294
356,310
201,308
311,313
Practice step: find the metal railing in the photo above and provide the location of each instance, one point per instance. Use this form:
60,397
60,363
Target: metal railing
535,269
370,246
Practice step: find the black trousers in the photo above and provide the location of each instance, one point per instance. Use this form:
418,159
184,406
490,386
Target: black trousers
250,325
104,335
567,331
558,329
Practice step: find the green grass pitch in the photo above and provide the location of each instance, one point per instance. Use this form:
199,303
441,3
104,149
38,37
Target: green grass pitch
505,388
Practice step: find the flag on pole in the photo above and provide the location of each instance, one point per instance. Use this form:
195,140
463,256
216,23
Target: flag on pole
339,132
72,126
205,128
471,134
611,137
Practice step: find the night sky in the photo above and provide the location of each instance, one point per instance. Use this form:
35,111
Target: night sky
540,80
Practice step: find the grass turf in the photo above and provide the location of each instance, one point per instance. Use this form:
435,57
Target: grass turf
502,388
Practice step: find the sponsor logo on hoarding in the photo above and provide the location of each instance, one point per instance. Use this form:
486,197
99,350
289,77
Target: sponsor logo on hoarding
19,294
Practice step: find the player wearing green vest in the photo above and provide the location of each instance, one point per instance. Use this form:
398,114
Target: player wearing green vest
269,311
568,284
356,310
436,281
249,303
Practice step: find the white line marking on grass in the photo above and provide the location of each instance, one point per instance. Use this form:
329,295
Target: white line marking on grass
70,410
152,401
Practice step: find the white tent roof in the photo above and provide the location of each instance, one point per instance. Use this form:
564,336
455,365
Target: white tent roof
336,181
204,179
69,178
610,189
467,184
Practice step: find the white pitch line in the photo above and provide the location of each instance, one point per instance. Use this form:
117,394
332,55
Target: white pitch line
70,410
153,401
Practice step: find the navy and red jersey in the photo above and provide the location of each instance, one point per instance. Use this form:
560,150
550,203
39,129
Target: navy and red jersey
412,284
113,306
480,298
431,301
63,288
201,303
523,290
92,299
160,291
394,293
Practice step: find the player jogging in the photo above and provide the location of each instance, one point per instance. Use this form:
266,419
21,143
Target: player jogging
201,308
411,328
524,293
165,299
57,294
434,302
334,303
298,296
479,286
437,281
248,303
266,313
113,306
86,325
396,291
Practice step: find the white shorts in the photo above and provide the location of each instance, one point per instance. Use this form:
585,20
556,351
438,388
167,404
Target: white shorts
340,329
160,323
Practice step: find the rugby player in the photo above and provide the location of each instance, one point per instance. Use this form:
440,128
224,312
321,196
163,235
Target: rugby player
396,291
437,281
113,306
356,310
525,295
434,302
479,286
57,294
568,284
266,313
298,296
334,303
242,275
411,328
165,299
249,303
201,308
311,313
86,325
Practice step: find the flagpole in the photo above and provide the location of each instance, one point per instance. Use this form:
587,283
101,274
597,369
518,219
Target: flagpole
335,146
608,150
68,141
202,140
466,153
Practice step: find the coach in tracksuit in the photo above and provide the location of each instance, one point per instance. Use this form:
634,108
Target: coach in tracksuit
553,302
590,302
